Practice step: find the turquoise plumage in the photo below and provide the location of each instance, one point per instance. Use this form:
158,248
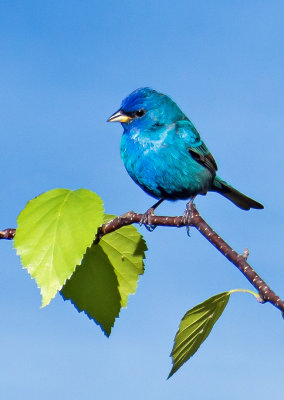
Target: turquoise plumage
164,154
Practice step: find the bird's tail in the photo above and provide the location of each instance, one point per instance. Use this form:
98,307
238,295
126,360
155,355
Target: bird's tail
234,195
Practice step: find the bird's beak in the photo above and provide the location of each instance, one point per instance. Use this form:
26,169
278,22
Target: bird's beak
119,116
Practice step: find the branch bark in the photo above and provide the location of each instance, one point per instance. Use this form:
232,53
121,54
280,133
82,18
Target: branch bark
239,260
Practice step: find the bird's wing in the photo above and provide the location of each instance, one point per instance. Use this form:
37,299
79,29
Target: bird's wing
203,156
196,147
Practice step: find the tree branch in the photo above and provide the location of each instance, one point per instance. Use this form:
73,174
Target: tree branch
8,233
239,260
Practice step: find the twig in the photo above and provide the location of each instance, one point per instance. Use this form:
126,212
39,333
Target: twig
8,233
239,260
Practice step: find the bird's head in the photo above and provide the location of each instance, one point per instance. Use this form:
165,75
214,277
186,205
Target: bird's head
145,108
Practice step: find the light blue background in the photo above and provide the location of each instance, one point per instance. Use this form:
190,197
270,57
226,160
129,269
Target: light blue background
65,67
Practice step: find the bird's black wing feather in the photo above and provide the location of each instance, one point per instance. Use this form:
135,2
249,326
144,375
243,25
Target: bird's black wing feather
202,155
197,149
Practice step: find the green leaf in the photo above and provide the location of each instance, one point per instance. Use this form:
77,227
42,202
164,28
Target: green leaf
125,249
93,288
194,328
54,230
108,274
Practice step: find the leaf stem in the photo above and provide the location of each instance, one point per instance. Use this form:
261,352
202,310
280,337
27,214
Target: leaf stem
256,295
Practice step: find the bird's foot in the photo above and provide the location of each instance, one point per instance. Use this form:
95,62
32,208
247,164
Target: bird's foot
146,220
186,219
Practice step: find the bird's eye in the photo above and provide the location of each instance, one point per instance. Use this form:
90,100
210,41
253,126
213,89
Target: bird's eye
140,113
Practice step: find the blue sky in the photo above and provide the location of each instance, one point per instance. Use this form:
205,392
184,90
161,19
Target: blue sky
65,67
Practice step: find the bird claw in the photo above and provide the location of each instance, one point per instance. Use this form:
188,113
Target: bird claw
146,220
186,219
150,228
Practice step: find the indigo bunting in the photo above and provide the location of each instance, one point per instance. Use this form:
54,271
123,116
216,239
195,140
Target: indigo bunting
164,154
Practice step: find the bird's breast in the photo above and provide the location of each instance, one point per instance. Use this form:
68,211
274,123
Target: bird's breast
161,165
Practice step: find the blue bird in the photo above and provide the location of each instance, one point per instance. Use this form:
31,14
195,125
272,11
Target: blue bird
164,154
